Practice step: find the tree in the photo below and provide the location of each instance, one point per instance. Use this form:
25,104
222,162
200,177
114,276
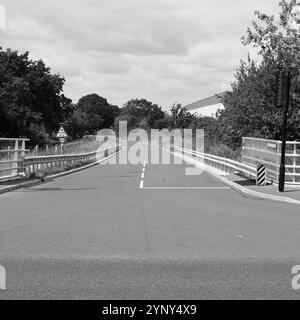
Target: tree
67,108
275,40
180,117
141,112
77,125
163,123
31,100
99,113
250,108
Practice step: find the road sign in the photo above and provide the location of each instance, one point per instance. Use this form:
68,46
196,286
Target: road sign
62,140
62,133
295,20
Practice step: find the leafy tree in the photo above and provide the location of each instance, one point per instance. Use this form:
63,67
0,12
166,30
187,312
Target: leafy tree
99,113
163,123
125,117
77,125
141,112
67,107
275,40
250,108
31,100
180,117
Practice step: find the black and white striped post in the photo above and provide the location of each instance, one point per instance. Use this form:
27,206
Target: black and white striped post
261,177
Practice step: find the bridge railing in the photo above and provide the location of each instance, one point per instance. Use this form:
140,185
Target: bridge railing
223,164
14,162
12,153
36,163
268,153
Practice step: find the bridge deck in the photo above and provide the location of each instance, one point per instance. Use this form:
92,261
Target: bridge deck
96,234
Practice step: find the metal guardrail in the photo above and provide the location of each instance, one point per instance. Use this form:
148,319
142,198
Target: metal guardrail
14,163
223,164
248,167
36,163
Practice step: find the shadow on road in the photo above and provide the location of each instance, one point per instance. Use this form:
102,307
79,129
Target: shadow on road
56,189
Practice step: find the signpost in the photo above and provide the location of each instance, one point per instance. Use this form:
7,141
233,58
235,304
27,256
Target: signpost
283,87
62,136
283,101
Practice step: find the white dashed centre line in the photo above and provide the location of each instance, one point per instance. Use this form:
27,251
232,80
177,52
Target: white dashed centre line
143,176
142,184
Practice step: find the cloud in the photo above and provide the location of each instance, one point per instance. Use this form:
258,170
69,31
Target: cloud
165,51
2,18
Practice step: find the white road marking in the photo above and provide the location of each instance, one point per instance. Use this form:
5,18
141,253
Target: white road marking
188,188
175,188
239,236
143,176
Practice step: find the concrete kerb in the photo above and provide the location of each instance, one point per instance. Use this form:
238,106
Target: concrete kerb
236,186
54,176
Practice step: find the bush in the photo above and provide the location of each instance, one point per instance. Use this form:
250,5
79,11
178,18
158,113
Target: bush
222,150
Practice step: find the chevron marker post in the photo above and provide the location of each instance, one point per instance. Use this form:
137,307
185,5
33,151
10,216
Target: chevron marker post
261,177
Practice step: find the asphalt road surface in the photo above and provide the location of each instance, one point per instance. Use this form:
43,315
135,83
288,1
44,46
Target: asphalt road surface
96,235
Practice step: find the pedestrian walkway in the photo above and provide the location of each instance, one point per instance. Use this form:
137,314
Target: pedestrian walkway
271,189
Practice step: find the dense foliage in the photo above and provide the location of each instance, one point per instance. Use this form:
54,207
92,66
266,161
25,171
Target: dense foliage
31,99
91,114
141,113
250,108
32,103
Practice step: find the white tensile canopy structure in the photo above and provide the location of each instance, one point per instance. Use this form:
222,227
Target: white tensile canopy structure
206,107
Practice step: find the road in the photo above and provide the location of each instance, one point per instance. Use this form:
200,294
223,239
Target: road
96,235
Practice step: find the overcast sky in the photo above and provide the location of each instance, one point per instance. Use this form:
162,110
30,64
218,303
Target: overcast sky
161,50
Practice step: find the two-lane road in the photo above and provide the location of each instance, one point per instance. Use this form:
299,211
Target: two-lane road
97,234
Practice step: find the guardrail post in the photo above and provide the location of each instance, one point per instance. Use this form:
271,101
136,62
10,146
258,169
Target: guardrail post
34,163
15,158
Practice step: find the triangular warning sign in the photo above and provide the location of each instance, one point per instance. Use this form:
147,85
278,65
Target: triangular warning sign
61,133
